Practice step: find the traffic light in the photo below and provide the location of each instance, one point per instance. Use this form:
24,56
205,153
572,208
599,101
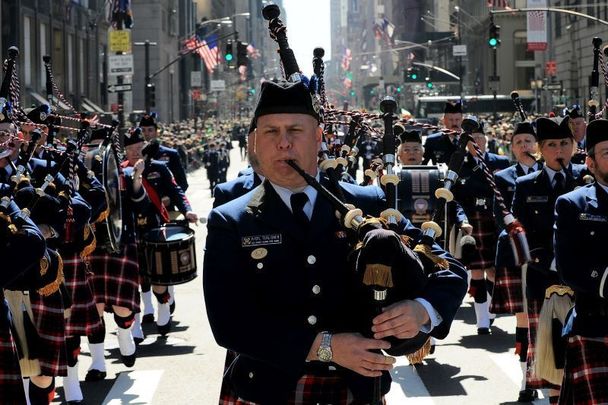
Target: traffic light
151,90
429,83
241,54
352,93
494,36
412,74
398,89
228,55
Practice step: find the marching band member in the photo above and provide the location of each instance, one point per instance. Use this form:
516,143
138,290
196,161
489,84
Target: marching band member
476,218
578,125
581,225
299,343
533,205
507,296
439,147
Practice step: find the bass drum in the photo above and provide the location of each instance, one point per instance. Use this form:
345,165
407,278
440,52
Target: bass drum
102,160
416,191
170,255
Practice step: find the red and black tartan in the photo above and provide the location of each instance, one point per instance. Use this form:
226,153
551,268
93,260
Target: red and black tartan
11,385
585,372
486,237
507,297
310,389
50,323
116,277
533,382
84,320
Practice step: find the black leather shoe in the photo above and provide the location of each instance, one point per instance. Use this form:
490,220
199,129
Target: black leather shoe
527,395
95,375
164,329
147,318
128,361
172,307
483,331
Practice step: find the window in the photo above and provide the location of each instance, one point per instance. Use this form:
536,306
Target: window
58,60
520,46
82,68
558,22
70,77
27,50
43,52
591,12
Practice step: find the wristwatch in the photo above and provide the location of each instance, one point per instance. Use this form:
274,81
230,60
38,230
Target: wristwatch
324,353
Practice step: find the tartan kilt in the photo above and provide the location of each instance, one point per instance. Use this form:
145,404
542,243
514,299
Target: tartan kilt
585,372
507,297
116,277
84,320
50,323
11,385
533,382
310,389
485,233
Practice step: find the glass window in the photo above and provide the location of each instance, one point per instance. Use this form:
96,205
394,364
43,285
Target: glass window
520,46
70,78
43,52
58,60
27,50
82,69
558,22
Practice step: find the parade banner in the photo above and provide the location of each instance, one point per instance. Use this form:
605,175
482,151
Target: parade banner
537,26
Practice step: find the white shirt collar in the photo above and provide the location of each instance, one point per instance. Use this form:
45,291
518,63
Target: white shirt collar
552,172
285,195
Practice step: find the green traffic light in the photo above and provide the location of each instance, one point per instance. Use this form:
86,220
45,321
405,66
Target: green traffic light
493,42
398,89
414,76
228,57
429,85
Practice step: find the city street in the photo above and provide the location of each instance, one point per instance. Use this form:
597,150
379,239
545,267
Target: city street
186,367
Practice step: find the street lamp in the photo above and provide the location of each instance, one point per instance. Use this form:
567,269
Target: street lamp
537,86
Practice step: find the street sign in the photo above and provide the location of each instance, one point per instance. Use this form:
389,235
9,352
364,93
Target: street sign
459,50
119,88
217,85
554,86
120,65
120,41
196,79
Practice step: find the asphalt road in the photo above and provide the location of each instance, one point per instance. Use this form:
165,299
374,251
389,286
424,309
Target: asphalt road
186,367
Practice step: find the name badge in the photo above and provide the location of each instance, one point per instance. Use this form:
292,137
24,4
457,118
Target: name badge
153,175
511,189
537,199
165,158
592,218
262,240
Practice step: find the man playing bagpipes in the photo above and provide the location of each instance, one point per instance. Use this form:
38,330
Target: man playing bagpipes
476,198
533,204
507,297
581,229
279,289
440,146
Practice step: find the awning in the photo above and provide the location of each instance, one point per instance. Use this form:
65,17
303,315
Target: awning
91,104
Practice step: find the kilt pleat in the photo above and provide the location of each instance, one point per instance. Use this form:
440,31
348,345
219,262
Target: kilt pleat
50,323
116,277
11,385
84,320
585,372
507,297
485,233
533,382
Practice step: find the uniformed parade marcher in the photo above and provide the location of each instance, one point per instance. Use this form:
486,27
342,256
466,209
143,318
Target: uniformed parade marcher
507,297
224,162
170,156
410,151
116,273
533,204
581,226
211,160
277,285
439,147
578,125
475,196
158,181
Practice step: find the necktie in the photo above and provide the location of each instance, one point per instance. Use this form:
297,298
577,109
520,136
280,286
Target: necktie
559,186
298,200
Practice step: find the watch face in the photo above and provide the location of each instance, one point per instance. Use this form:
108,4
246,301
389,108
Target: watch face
324,354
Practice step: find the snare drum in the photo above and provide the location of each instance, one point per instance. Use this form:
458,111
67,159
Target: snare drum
416,192
170,255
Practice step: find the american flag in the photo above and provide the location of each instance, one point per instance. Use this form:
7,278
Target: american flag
536,20
207,49
499,4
